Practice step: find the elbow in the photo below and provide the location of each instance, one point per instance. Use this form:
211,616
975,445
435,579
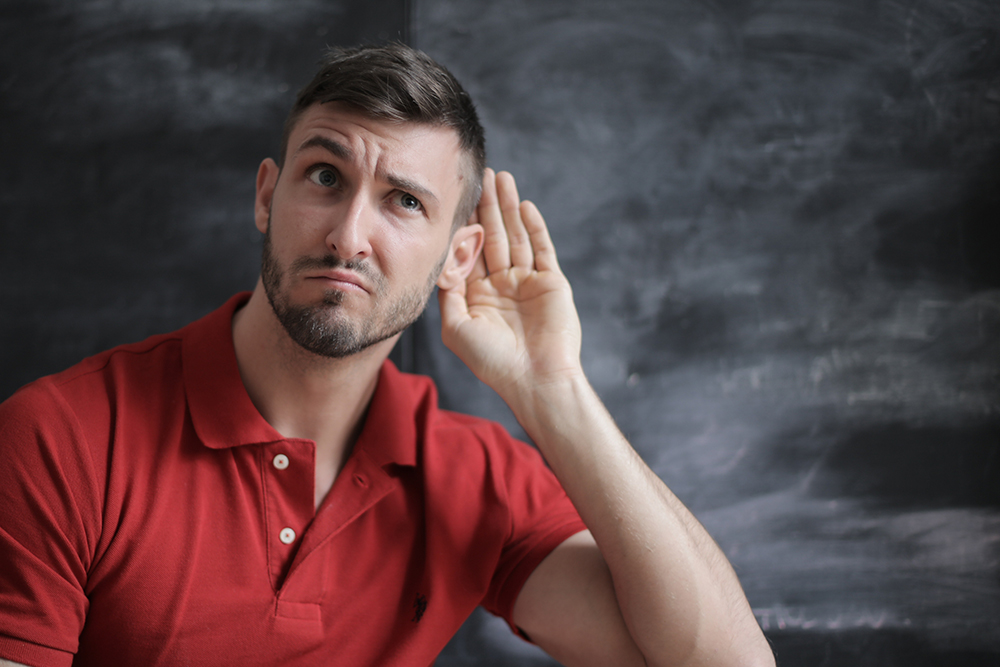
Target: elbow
745,647
760,657
751,650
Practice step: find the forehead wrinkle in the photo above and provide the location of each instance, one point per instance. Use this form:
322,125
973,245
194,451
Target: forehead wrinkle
414,188
348,154
334,147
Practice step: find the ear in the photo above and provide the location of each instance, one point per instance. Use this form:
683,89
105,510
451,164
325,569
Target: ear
466,244
267,177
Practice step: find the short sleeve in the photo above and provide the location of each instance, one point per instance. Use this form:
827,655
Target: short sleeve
542,517
48,526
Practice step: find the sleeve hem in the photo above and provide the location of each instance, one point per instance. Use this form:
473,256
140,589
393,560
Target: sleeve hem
34,655
511,589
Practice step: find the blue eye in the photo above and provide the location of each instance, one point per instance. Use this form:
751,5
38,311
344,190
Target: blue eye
409,202
324,176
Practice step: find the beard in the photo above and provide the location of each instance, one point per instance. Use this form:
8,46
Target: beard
324,328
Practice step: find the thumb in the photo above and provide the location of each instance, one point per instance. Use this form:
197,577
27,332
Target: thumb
454,308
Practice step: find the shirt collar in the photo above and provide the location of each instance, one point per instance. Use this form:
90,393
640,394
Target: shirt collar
390,431
224,416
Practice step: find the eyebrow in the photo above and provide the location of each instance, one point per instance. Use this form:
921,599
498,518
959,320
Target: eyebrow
412,187
344,153
338,149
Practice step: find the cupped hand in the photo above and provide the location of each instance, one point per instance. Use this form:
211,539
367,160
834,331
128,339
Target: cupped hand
513,321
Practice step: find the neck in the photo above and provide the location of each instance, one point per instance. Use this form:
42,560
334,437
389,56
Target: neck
301,394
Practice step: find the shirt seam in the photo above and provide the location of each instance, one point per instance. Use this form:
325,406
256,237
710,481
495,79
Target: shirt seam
93,541
58,381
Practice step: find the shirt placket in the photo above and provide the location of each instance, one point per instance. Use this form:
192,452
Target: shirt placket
288,472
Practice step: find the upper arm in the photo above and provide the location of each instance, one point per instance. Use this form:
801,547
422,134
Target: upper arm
568,607
8,663
50,519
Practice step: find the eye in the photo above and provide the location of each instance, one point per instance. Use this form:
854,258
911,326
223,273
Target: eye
326,177
408,201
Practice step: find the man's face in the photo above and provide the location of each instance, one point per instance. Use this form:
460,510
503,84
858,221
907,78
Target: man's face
357,226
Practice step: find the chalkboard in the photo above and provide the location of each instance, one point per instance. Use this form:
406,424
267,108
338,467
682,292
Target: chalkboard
781,222
779,218
131,134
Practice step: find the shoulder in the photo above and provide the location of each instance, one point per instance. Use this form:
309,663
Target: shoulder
86,386
412,400
461,447
457,455
145,363
121,373
444,428
67,419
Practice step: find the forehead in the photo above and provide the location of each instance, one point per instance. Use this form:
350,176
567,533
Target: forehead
419,149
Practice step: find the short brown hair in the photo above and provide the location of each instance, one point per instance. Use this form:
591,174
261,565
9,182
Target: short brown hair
398,83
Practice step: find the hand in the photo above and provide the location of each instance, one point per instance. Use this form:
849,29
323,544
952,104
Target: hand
513,321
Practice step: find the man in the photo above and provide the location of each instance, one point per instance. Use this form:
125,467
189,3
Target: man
263,487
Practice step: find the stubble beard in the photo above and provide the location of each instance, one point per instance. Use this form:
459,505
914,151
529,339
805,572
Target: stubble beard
324,329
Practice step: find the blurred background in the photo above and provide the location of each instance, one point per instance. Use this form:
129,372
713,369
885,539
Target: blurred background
781,220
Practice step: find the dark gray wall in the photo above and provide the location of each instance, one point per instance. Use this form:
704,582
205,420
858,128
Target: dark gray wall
780,219
131,134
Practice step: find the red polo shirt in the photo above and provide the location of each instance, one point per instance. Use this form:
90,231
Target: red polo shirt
150,516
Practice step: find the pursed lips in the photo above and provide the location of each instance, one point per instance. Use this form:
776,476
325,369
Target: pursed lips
341,279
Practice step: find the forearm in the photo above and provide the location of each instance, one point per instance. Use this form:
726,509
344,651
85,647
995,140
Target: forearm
679,596
513,322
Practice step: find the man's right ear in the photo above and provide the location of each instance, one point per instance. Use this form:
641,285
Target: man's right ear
466,245
267,177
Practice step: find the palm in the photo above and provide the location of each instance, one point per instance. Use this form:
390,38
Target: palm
513,320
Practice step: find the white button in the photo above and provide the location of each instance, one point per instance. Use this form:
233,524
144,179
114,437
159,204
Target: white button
287,535
280,461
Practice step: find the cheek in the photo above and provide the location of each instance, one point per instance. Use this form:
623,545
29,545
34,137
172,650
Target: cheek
298,230
409,260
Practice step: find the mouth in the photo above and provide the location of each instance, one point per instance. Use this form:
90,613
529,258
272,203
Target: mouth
340,279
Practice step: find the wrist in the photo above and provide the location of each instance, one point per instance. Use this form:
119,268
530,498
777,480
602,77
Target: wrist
551,385
553,404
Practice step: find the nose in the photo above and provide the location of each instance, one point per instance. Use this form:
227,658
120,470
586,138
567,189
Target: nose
350,228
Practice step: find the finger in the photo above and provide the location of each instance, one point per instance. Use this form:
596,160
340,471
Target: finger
521,254
454,307
541,242
495,247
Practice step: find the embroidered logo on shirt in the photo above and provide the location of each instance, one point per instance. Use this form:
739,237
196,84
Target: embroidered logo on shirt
419,607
